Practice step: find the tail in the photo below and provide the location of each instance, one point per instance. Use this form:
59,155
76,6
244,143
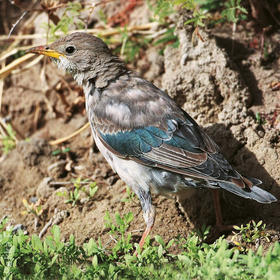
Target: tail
249,191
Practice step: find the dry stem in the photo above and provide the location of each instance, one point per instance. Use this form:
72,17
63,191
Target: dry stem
63,139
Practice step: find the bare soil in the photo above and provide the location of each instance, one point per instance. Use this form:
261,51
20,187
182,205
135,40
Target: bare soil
221,89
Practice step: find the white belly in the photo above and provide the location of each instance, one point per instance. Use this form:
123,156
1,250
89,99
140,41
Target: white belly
131,172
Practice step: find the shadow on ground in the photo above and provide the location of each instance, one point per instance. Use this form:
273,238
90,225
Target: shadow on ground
199,208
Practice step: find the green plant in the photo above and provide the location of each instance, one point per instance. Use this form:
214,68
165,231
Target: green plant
102,16
168,37
233,11
93,188
249,234
89,188
259,119
29,257
203,232
70,196
61,151
74,196
161,10
33,208
3,222
69,18
130,195
118,231
130,45
8,140
209,5
198,15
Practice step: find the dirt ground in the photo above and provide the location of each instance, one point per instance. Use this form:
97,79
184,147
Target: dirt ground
220,88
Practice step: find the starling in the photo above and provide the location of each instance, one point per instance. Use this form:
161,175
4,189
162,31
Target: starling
147,139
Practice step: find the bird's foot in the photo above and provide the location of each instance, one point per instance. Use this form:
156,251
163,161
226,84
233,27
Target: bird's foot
143,239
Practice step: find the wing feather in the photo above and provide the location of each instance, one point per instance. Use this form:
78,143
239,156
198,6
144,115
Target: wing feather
136,120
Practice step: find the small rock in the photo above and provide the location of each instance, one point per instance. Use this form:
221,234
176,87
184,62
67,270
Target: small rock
57,169
79,167
31,151
61,190
33,199
84,200
44,190
260,133
17,228
60,216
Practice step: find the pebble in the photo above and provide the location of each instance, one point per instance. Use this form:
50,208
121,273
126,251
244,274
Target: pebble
44,190
18,227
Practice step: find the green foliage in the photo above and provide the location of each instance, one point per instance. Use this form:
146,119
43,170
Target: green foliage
259,119
209,5
73,196
68,19
168,37
118,231
250,234
130,45
233,11
93,188
9,140
31,208
24,257
130,195
61,151
18,54
161,10
198,15
102,16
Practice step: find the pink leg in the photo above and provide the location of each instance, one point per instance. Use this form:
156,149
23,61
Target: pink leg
149,217
144,235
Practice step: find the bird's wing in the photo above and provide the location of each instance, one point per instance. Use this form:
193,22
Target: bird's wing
183,148
154,131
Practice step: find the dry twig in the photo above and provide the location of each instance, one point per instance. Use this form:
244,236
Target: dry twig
1,86
96,31
17,22
63,139
4,72
5,128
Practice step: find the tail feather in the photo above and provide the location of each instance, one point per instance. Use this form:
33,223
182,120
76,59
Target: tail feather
255,181
254,192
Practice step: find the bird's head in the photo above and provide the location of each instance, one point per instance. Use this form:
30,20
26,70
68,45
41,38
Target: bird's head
78,53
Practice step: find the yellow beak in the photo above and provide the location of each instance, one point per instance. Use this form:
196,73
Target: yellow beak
45,50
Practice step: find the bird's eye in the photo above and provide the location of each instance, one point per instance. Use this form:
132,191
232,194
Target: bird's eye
70,49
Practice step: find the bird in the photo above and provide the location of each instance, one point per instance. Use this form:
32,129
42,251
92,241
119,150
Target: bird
148,140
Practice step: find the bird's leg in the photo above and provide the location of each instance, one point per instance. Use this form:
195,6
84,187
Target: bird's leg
148,213
219,218
217,206
149,218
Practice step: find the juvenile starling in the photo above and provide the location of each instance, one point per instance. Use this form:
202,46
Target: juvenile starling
147,139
